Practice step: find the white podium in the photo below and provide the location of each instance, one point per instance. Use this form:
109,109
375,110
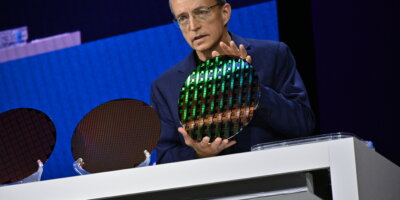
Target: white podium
336,169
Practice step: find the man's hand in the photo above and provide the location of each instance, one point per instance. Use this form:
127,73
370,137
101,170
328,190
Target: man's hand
232,50
204,148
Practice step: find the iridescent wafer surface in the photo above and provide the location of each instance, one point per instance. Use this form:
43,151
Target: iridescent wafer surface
218,98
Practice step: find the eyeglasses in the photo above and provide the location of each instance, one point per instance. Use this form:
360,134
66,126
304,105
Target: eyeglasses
200,14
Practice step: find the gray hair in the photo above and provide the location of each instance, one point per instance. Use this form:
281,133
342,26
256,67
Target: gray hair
219,2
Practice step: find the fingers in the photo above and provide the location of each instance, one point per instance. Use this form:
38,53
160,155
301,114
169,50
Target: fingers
225,49
248,59
204,142
242,51
226,144
219,145
229,144
215,54
232,50
216,143
243,54
204,148
188,140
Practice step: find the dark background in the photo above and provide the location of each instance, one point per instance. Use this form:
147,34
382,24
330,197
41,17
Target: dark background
355,45
346,51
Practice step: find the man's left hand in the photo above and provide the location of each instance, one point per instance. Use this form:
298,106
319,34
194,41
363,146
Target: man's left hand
232,50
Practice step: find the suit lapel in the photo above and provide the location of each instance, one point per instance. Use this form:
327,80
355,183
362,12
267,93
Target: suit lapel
183,69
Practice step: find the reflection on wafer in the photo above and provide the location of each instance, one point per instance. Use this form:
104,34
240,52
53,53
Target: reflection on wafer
219,98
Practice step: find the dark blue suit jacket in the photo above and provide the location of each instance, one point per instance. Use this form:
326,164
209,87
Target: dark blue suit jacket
283,112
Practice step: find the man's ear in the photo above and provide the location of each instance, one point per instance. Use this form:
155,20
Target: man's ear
226,13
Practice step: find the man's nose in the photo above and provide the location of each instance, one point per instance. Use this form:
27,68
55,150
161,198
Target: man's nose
193,23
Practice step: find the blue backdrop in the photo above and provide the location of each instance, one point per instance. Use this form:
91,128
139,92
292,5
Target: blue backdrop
69,83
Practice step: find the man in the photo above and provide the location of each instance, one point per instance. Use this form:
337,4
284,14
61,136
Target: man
283,111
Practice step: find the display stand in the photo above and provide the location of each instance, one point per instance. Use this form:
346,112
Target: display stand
353,171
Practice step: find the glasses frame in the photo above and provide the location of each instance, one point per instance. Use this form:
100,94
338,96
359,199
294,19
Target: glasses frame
177,24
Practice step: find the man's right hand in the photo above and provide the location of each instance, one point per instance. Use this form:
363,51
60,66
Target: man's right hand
204,148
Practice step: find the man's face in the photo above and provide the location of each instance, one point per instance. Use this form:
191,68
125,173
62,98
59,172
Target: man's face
202,35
